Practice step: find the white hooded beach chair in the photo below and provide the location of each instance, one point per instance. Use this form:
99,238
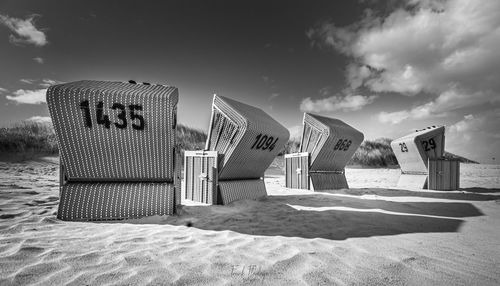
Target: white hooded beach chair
327,146
242,142
421,158
116,143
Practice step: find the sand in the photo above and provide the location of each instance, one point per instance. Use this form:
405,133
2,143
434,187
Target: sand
371,234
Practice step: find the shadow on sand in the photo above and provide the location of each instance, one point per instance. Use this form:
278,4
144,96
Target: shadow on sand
466,194
325,216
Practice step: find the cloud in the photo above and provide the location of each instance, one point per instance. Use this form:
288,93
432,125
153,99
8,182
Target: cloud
24,31
40,119
295,132
2,90
325,91
48,82
22,96
422,46
446,102
475,136
393,117
274,95
27,80
348,102
39,60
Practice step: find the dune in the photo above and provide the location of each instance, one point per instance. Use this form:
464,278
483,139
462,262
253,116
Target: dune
370,234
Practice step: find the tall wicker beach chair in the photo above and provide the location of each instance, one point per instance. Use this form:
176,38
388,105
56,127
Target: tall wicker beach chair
327,145
117,152
242,142
421,158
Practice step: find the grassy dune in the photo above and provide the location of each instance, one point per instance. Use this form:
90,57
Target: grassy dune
29,139
377,153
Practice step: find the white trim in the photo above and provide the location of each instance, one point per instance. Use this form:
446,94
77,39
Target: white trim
200,153
293,155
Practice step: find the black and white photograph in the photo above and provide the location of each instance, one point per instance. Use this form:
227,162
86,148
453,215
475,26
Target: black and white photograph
218,142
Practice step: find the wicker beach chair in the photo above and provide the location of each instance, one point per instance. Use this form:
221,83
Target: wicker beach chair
242,142
117,152
326,147
421,158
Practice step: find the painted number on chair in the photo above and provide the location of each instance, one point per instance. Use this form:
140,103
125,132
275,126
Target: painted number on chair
403,147
134,119
429,145
342,145
264,142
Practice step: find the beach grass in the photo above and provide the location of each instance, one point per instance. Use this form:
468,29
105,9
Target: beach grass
28,139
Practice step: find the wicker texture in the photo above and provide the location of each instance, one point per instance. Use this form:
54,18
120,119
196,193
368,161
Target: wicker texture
328,144
319,138
121,171
328,181
233,131
444,175
108,201
112,153
234,190
414,150
200,168
297,171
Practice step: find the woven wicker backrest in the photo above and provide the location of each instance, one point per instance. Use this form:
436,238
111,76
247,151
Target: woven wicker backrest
115,131
414,150
247,137
330,142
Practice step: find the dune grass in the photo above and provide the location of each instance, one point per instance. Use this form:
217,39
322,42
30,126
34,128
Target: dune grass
30,139
376,153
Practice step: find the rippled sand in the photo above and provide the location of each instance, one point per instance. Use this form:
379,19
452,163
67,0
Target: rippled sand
371,234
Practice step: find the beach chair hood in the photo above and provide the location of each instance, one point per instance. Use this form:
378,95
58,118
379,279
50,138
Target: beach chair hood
414,150
109,131
247,137
330,142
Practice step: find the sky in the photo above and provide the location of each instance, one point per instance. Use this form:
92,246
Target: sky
386,68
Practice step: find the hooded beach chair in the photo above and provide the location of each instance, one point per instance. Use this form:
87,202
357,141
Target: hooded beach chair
242,142
116,143
421,158
326,147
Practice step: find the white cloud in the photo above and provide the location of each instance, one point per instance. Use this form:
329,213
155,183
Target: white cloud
48,82
295,132
39,60
2,90
25,31
393,117
36,96
40,119
336,102
27,80
274,95
446,102
424,46
475,136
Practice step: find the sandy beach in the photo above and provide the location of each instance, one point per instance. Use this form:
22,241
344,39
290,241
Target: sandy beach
370,234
